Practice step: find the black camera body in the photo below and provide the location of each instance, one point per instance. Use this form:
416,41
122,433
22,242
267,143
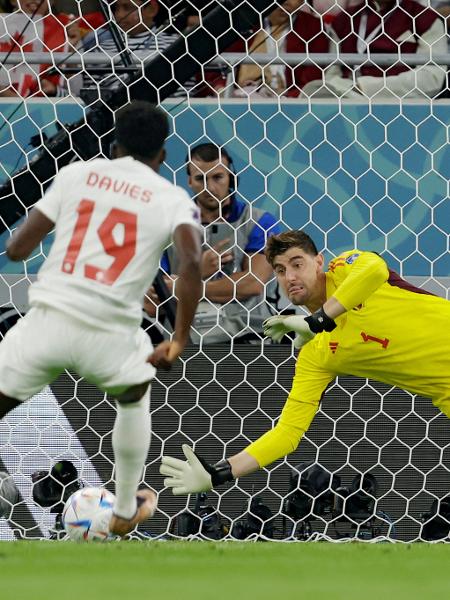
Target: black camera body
311,491
437,520
258,521
52,489
203,520
315,493
206,521
356,502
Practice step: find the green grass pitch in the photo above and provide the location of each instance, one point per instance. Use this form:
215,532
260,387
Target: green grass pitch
228,571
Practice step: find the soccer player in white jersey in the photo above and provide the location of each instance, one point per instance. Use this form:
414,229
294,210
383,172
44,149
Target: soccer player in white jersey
112,221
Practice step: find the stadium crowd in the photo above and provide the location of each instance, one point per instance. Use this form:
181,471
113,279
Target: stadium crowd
142,28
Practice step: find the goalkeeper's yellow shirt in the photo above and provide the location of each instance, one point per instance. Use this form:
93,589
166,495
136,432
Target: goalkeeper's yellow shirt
391,332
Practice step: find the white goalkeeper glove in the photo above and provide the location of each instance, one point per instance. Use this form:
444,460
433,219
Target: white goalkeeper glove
277,327
193,475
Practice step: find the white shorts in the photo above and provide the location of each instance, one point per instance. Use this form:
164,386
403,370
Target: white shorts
46,342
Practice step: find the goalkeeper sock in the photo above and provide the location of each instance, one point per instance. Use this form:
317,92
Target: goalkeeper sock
131,442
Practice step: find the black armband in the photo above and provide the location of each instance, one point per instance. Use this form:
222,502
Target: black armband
220,471
319,321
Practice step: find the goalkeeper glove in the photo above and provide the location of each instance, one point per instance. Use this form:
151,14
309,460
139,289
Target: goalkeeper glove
193,475
276,327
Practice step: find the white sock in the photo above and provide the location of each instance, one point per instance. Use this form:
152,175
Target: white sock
131,442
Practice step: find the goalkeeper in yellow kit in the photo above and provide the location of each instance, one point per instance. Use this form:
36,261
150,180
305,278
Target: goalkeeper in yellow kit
365,321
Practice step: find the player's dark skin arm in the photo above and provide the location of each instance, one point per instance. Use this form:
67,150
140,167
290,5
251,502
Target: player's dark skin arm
28,236
188,292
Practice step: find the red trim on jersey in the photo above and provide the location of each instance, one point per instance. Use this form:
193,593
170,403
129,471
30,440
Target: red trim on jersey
396,281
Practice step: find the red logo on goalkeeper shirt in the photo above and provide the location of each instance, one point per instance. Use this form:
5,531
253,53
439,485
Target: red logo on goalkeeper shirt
333,346
371,338
337,262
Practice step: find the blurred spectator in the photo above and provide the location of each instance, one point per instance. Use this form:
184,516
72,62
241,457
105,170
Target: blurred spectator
72,81
327,10
88,22
234,268
31,28
387,26
74,33
286,29
442,7
86,14
76,29
214,77
135,24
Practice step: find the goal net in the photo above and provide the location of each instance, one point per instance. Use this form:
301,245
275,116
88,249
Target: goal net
314,146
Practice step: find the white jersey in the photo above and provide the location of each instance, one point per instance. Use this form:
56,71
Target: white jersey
113,220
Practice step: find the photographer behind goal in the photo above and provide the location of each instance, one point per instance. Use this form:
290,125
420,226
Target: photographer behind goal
238,282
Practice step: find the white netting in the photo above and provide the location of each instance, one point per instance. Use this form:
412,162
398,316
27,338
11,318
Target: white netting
354,151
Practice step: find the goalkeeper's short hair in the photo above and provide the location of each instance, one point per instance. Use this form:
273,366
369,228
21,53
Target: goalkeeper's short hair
279,244
141,129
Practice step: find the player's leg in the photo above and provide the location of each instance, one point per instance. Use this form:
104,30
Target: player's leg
30,357
131,442
117,363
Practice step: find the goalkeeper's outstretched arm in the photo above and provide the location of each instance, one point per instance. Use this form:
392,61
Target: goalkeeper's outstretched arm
196,475
361,278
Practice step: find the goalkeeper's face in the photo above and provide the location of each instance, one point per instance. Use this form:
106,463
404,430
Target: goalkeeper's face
210,183
300,276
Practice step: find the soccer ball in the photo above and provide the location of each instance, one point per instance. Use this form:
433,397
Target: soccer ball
87,513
